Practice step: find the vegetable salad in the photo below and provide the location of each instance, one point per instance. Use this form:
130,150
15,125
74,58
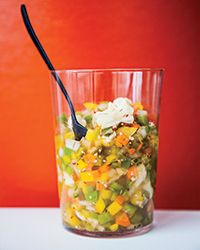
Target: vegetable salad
107,180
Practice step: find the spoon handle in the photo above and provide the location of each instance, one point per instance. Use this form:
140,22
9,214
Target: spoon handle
45,58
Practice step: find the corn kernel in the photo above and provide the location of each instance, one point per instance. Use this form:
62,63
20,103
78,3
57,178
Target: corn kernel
104,177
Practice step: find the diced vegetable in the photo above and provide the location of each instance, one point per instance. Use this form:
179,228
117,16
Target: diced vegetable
132,172
81,164
104,218
126,163
74,221
116,187
100,205
69,170
90,105
123,220
106,194
111,158
137,199
129,209
121,140
114,227
142,117
127,131
114,208
91,196
120,199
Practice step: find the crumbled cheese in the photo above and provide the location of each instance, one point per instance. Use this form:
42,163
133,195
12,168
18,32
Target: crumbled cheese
120,110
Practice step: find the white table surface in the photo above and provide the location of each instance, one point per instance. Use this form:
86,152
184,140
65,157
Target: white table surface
41,228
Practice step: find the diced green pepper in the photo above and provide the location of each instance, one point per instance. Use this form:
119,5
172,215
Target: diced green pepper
137,218
67,151
63,119
142,117
104,218
88,118
126,163
129,209
69,170
92,196
116,187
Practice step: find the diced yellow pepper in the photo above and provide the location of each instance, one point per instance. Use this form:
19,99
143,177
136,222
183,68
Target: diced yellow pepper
113,197
87,176
59,161
127,131
66,159
69,212
74,221
81,164
59,142
104,177
69,135
139,105
100,205
114,227
110,158
92,134
90,105
114,208
106,194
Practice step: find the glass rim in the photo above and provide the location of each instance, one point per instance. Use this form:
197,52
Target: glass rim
85,70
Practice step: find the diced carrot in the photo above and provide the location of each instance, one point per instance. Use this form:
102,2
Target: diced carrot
75,177
96,174
135,125
89,159
104,168
120,199
121,140
132,171
131,151
123,220
140,146
99,186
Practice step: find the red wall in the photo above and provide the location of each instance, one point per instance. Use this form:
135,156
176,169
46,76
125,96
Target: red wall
80,34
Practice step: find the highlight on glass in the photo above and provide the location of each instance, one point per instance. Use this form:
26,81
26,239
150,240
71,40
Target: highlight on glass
106,181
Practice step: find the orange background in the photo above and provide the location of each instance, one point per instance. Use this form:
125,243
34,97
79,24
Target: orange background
88,34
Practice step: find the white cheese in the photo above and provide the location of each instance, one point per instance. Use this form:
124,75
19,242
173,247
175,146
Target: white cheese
120,110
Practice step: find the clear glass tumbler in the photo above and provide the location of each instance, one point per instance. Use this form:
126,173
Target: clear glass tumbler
107,180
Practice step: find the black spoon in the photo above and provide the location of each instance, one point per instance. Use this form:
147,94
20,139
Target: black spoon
79,130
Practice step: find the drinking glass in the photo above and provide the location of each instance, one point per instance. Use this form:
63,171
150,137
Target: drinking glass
106,181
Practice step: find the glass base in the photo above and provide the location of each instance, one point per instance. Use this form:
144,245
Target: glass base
127,233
